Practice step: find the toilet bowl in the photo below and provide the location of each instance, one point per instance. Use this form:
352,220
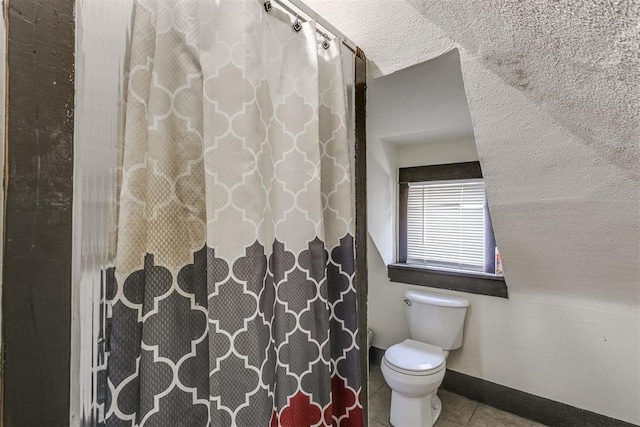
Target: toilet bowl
414,371
415,367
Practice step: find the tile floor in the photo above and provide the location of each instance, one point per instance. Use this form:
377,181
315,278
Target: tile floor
457,411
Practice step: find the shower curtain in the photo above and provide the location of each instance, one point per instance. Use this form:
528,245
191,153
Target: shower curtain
233,301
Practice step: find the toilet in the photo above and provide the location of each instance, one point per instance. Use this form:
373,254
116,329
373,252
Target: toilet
414,368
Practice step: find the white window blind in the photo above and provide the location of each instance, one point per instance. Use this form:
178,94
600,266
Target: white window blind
445,224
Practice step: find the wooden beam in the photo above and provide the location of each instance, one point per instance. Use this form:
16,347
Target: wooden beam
361,221
37,260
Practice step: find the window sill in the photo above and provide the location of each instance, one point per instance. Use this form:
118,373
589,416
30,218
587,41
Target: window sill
474,283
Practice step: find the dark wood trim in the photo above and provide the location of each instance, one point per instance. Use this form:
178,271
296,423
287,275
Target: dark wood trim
38,229
490,241
474,283
444,279
464,170
360,101
536,408
403,207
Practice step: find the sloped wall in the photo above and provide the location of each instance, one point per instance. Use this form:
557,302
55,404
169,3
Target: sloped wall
578,60
552,90
569,330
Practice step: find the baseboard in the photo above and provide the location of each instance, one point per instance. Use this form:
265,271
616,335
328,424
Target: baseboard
539,409
375,355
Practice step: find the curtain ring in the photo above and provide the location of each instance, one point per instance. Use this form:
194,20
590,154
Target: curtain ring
268,6
297,25
325,43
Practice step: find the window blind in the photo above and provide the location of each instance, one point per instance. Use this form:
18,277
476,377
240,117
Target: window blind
445,224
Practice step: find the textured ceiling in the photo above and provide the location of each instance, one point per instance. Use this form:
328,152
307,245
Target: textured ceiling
579,60
391,32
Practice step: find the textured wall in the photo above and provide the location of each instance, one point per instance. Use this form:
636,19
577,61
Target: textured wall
392,32
553,93
578,59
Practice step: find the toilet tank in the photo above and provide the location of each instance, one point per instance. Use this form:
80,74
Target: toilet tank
436,319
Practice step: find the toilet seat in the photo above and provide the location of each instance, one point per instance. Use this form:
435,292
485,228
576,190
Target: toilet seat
412,357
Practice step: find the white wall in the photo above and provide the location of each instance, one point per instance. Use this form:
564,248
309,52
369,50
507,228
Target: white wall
406,107
567,227
437,153
550,338
386,306
562,187
417,116
383,161
381,197
548,346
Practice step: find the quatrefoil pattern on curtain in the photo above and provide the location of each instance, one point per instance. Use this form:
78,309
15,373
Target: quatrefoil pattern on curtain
233,300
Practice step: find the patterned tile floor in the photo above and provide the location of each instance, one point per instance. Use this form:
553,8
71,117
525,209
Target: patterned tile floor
457,411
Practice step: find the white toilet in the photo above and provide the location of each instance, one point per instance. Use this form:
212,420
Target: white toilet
414,368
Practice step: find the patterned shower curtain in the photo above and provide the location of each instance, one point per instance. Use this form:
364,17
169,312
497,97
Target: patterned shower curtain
233,301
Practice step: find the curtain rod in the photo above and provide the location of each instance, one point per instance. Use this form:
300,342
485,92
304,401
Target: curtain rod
298,4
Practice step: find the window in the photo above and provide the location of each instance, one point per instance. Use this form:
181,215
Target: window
445,232
445,224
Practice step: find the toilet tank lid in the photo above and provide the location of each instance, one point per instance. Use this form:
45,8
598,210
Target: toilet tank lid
436,299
